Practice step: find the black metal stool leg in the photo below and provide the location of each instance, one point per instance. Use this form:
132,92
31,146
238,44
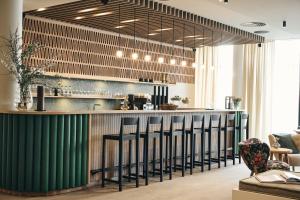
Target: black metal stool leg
192,153
186,151
219,149
154,157
146,164
166,153
209,150
233,147
194,150
120,166
103,161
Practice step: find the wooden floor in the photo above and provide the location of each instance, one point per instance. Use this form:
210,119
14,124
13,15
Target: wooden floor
216,184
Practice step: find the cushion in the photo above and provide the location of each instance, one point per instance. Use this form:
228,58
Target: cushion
296,140
286,141
294,159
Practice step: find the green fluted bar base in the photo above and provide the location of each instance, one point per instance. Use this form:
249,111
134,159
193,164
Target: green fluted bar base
43,153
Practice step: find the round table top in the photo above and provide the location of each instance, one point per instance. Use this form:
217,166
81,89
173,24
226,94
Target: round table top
281,150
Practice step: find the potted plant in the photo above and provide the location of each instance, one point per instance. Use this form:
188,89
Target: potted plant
236,102
15,58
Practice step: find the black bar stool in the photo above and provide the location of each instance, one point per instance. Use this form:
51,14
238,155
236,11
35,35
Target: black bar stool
197,128
174,133
243,126
230,125
152,134
121,138
214,125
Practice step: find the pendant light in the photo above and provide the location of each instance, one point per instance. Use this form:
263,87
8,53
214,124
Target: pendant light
183,62
119,52
134,55
173,61
161,58
194,63
203,48
212,51
147,56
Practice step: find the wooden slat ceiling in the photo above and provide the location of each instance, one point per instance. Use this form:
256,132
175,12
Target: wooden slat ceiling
185,24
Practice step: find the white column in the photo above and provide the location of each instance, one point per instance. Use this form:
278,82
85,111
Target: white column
11,12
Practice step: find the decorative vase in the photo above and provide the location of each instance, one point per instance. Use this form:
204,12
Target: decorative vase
237,105
26,100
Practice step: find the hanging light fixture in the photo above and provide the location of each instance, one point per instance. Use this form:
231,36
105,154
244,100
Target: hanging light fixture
203,48
161,58
119,52
183,62
212,51
134,55
194,49
173,61
147,56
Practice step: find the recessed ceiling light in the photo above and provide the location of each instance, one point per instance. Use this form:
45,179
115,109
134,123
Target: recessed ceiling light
164,29
261,32
192,36
41,9
130,20
87,10
200,38
80,17
152,34
253,24
102,14
120,26
178,40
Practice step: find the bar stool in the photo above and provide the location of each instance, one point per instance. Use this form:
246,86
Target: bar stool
243,125
230,125
152,121
214,124
121,138
174,133
192,133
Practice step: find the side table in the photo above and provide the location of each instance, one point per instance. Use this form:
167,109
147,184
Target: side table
280,152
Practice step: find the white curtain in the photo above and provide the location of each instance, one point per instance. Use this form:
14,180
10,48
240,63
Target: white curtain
206,77
252,81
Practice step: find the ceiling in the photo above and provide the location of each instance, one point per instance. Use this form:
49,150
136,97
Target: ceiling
272,12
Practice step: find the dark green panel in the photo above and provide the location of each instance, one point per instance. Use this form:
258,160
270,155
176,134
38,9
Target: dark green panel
15,152
4,150
37,153
21,167
1,147
72,151
60,152
45,154
29,153
67,152
9,153
53,152
78,150
84,163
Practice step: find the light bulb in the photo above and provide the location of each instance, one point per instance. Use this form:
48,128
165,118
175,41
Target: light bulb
194,65
183,63
134,56
147,58
161,60
119,53
172,61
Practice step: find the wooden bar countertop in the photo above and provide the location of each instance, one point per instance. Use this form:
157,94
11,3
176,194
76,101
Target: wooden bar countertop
94,112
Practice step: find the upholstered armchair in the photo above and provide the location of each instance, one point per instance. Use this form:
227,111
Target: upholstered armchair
256,154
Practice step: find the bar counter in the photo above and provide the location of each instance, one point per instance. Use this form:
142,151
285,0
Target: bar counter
55,152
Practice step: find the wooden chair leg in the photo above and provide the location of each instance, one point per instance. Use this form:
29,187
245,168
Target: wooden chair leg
202,151
161,158
175,154
120,165
103,161
170,156
130,159
154,157
182,155
137,162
